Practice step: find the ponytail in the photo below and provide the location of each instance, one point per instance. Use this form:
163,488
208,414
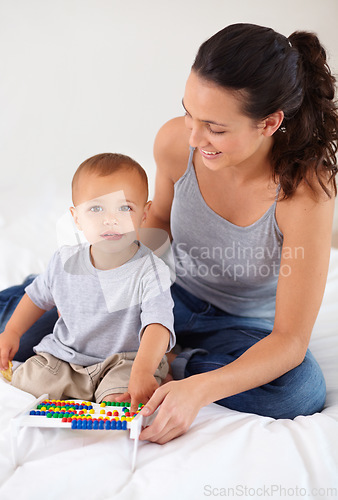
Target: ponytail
307,141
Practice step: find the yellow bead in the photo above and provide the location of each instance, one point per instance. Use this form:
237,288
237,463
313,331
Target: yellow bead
103,404
92,411
102,411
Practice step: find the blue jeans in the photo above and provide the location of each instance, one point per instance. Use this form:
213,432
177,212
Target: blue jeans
221,338
224,337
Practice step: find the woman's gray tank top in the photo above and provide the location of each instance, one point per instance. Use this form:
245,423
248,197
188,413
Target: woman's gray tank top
234,268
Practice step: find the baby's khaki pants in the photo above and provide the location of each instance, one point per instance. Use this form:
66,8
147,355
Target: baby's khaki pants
45,374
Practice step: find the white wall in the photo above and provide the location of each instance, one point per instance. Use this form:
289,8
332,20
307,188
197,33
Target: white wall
79,77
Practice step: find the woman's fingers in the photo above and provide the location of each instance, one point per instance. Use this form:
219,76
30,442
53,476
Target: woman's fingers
175,415
155,400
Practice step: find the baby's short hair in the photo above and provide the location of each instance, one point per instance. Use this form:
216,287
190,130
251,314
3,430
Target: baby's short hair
106,164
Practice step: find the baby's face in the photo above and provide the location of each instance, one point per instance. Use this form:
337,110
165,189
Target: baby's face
109,210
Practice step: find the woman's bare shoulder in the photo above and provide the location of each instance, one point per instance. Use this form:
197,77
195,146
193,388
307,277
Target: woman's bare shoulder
171,148
308,203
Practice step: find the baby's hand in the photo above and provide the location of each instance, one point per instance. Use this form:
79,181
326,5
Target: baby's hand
142,386
7,374
9,345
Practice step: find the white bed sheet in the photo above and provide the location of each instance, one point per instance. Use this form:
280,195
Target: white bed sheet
224,454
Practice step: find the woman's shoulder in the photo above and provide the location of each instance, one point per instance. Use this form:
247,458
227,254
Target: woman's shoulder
171,148
309,205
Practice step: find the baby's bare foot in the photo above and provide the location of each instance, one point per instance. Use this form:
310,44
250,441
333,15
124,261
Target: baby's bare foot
170,358
168,378
112,397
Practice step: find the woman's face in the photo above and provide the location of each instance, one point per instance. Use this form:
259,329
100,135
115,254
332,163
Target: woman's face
223,135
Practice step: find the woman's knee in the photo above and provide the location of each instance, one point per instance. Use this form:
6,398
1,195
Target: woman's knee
300,391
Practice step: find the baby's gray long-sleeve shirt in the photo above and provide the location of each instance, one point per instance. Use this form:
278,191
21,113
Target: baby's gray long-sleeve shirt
101,312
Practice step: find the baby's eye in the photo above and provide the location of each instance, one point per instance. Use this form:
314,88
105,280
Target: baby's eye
125,208
96,209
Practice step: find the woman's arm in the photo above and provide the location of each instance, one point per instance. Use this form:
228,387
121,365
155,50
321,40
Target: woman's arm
171,153
306,224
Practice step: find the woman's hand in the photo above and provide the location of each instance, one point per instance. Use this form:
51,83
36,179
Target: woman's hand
180,404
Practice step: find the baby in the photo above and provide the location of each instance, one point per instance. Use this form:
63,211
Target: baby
112,294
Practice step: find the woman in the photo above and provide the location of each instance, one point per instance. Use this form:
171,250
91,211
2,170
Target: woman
251,221
249,206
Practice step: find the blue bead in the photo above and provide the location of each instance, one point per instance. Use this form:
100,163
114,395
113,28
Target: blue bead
74,424
89,424
113,424
84,424
43,413
95,425
119,425
107,425
101,425
124,425
32,412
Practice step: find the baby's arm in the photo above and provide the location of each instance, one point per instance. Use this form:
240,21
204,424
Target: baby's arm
23,317
142,384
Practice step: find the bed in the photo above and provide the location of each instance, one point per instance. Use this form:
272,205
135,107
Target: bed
224,454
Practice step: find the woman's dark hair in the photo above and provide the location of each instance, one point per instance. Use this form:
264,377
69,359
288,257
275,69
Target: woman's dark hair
278,73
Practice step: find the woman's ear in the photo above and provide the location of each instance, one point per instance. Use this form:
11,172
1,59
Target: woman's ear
272,123
75,217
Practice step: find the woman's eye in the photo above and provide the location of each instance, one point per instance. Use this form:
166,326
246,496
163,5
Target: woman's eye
216,131
125,208
96,209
